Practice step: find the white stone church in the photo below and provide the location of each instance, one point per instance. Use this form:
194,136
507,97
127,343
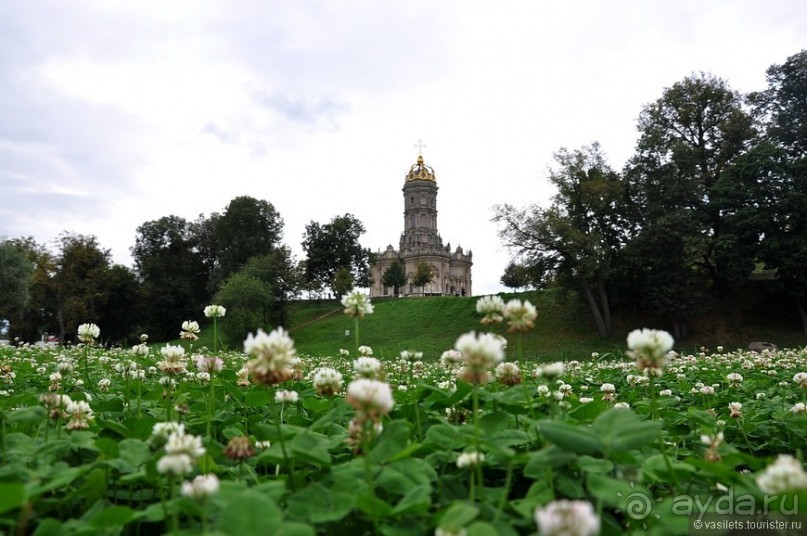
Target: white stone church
420,242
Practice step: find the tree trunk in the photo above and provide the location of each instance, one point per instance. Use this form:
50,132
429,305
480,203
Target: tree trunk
803,315
595,309
606,306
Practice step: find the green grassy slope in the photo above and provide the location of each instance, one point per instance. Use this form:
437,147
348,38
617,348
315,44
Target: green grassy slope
564,329
432,325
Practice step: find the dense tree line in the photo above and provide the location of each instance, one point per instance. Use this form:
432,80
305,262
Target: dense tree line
234,258
716,189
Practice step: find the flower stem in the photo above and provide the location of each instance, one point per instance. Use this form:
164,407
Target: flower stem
356,331
289,474
369,433
215,336
212,407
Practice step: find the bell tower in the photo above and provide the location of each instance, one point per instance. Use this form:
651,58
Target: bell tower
421,243
420,211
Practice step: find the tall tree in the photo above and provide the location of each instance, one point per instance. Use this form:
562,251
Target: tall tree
516,275
15,281
121,313
249,303
783,105
39,316
394,276
172,275
248,228
335,245
778,168
688,139
342,282
423,276
578,238
278,271
80,282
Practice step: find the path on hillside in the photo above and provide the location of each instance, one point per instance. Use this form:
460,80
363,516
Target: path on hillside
317,319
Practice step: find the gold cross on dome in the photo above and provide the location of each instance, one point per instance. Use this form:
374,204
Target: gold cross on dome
420,146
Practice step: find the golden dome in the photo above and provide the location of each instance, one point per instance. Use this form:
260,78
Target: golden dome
420,172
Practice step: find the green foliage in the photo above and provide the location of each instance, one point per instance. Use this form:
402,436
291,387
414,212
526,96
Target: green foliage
335,245
15,280
423,275
249,304
635,465
342,282
515,276
394,276
248,228
81,283
578,238
172,275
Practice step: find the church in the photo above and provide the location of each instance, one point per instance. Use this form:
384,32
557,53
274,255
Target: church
421,243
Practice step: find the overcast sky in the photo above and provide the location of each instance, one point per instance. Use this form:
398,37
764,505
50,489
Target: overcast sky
114,113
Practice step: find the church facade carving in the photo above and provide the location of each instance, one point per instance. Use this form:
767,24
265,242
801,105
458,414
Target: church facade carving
421,243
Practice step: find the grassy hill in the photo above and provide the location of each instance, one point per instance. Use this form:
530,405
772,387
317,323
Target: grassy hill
432,324
564,329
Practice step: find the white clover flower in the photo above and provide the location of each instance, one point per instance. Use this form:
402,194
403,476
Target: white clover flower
520,315
786,474
215,311
327,381
799,407
622,405
87,333
103,384
286,396
372,398
179,442
508,373
735,379
209,364
161,430
550,370
707,390
367,367
586,399
141,349
801,379
365,351
343,352
542,390
447,385
736,409
201,487
263,444
451,359
190,330
80,412
608,388
470,459
273,353
650,348
175,464
665,392
480,354
357,305
567,518
492,307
